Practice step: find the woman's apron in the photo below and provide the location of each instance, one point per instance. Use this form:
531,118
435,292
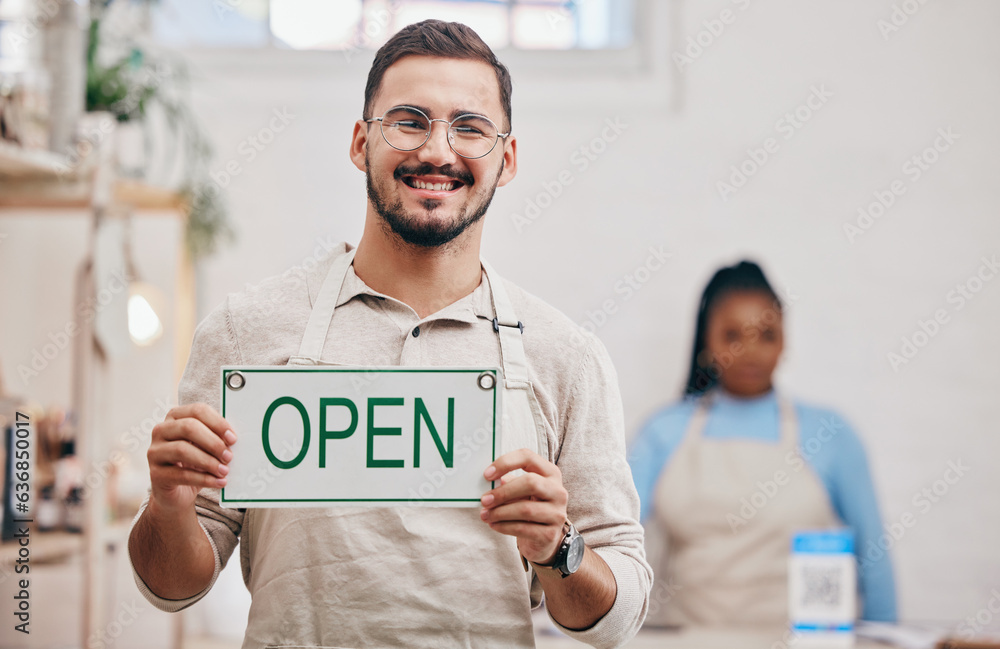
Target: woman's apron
722,525
395,576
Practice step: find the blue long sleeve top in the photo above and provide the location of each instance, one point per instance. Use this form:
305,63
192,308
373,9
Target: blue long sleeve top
828,445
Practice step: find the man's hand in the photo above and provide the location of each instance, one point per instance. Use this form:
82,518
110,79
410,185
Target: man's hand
189,451
530,507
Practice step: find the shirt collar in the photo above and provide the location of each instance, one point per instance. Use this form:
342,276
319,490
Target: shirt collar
478,304
728,399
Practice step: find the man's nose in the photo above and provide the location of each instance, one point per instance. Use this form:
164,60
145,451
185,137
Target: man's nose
436,150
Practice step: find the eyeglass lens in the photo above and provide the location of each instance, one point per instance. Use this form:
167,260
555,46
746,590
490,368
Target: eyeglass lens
471,136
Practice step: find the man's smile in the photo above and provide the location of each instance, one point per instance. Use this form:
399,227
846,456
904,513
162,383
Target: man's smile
426,181
433,186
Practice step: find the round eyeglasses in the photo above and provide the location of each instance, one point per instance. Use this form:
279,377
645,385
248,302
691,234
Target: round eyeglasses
406,128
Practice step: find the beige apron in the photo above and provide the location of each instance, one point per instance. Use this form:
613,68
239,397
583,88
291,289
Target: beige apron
395,576
727,522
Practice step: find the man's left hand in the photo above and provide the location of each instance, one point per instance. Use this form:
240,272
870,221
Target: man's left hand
530,507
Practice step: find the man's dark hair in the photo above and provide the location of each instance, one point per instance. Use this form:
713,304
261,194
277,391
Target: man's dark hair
436,38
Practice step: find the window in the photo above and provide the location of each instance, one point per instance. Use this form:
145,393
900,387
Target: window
367,24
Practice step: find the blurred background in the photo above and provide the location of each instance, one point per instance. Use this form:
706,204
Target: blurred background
155,156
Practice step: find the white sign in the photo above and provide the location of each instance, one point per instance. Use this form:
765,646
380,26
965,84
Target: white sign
310,436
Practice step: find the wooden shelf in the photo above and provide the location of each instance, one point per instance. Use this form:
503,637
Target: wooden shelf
42,179
35,193
18,162
143,196
45,547
51,547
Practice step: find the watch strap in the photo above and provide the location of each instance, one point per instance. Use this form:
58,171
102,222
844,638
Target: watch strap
561,552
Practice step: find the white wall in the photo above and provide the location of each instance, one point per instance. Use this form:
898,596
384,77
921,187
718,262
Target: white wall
656,186
39,256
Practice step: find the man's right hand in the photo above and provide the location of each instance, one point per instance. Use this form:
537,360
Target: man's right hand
168,548
189,451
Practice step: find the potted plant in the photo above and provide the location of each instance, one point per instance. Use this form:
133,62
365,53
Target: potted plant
128,87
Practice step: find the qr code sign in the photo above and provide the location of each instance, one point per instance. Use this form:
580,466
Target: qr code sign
821,588
822,585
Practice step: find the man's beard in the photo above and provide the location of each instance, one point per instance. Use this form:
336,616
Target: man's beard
409,227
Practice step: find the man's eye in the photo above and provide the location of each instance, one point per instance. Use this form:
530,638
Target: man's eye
413,124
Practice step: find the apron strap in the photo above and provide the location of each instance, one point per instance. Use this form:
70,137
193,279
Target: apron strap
322,312
506,324
509,329
788,429
788,423
698,418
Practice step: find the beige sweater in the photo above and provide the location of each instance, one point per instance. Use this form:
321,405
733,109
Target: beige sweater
376,577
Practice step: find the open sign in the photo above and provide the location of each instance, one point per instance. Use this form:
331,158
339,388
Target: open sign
364,436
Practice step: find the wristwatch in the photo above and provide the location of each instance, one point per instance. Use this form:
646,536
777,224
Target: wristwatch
569,556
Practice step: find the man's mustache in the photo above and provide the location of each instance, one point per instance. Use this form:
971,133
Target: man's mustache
429,170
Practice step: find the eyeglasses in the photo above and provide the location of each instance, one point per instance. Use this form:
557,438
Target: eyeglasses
406,128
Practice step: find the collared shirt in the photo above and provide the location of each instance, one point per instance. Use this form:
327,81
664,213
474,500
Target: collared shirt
573,380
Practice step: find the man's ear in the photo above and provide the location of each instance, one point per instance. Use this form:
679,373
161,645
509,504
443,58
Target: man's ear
509,169
359,145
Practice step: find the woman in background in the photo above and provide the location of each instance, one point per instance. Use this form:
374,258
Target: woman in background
729,474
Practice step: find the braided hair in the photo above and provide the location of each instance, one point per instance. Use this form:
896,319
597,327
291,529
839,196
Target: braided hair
744,277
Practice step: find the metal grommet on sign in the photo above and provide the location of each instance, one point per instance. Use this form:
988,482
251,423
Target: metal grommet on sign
487,381
235,380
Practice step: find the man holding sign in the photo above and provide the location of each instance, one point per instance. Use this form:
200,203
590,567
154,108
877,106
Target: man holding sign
557,513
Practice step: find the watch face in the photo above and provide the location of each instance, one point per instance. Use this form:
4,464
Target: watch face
575,555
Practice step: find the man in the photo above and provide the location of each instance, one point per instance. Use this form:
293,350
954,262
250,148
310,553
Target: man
434,144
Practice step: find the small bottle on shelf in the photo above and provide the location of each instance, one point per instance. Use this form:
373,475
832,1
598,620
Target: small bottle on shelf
74,512
48,513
